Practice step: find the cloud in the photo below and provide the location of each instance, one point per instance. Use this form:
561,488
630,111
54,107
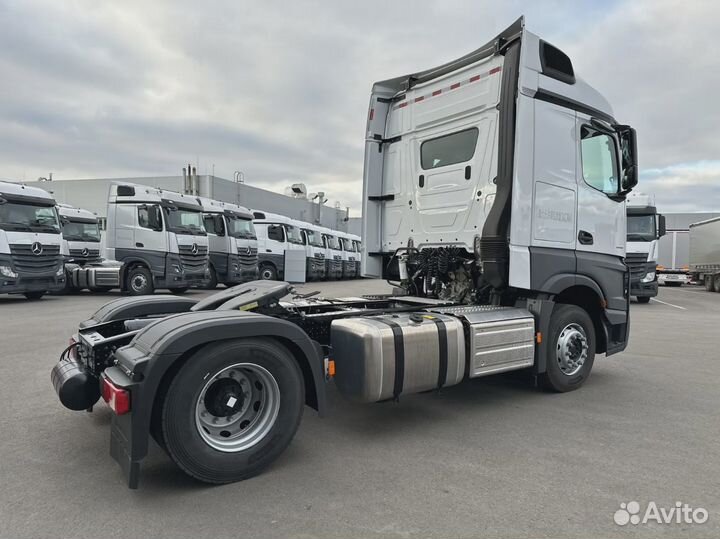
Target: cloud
280,90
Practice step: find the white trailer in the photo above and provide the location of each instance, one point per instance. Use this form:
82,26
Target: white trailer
30,242
705,253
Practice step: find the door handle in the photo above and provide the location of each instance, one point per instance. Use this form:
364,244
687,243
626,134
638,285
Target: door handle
585,238
421,180
268,250
138,244
468,172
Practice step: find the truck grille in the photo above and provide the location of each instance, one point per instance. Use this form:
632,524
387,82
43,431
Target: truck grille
248,260
90,254
26,261
193,262
637,262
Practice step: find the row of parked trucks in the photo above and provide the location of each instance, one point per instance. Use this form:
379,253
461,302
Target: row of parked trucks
158,239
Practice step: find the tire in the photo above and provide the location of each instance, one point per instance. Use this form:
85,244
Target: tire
709,283
673,283
37,294
139,281
643,299
570,327
196,399
268,272
179,290
212,281
716,283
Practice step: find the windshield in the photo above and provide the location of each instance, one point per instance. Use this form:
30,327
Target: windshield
81,231
28,218
314,238
641,227
332,242
293,234
183,221
241,228
348,245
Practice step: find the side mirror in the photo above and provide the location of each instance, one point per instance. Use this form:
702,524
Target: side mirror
219,225
64,220
628,146
661,226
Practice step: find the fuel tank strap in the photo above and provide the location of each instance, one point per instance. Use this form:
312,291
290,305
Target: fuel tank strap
443,343
399,356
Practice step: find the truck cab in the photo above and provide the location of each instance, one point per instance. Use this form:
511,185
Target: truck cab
350,254
333,254
645,227
30,242
315,247
159,238
232,241
279,238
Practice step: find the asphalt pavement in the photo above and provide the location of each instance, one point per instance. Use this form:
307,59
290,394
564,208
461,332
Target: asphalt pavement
493,457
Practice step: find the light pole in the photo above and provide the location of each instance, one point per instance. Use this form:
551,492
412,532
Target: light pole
239,177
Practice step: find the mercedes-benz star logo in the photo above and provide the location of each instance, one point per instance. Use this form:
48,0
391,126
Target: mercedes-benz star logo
194,248
248,250
36,248
85,252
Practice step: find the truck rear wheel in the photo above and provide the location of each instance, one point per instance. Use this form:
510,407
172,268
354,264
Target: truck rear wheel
232,409
570,350
139,281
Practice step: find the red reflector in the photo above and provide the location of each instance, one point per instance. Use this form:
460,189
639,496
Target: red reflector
455,86
118,399
495,70
474,78
403,104
437,92
372,114
419,98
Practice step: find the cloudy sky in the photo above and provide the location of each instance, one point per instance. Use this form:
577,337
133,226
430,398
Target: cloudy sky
279,89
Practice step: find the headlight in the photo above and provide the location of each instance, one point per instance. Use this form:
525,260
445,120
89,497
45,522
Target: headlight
60,271
7,271
649,277
177,268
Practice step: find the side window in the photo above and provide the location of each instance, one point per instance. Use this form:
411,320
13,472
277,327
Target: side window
599,161
448,149
275,232
144,216
209,223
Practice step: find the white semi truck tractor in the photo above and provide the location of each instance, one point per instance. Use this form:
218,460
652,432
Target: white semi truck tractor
154,239
232,241
494,198
645,227
81,244
30,242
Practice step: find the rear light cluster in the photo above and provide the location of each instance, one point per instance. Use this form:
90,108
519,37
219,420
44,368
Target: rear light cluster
117,398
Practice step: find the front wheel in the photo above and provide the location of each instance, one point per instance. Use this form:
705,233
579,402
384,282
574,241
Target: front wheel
35,294
644,299
716,283
268,273
570,350
139,281
212,282
708,281
232,409
179,290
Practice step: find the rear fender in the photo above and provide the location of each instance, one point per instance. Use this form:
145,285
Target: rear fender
134,307
162,347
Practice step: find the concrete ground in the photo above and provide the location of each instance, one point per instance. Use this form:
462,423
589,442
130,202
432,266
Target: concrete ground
492,457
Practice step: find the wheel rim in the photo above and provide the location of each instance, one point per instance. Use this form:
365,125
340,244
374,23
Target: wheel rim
572,348
266,274
237,407
138,282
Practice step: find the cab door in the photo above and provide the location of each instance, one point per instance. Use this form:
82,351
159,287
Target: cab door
601,214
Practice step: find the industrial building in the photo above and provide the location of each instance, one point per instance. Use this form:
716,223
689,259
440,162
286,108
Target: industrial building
92,194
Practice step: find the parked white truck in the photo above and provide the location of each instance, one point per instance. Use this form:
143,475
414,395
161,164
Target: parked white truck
333,254
350,244
232,241
494,190
81,244
30,242
645,226
281,251
154,239
315,250
705,253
